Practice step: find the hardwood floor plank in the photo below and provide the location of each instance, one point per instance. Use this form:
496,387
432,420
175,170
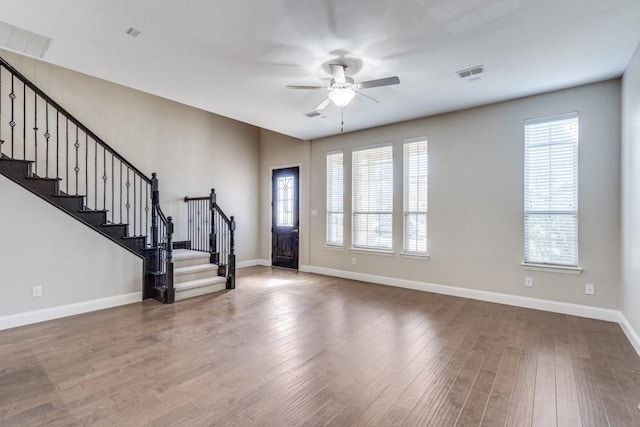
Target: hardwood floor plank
290,349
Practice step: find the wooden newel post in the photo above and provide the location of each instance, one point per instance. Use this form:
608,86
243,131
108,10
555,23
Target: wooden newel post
231,279
214,256
171,292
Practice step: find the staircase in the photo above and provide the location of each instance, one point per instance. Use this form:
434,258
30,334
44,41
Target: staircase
50,153
194,275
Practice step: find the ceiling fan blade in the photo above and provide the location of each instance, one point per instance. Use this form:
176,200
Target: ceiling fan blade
337,71
323,104
305,87
380,82
367,96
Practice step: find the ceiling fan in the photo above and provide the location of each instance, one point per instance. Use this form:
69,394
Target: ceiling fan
342,89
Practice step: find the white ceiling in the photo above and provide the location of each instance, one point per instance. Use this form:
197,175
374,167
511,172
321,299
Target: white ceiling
234,57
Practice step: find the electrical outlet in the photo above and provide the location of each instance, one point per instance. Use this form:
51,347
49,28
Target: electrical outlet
353,260
528,282
590,289
36,292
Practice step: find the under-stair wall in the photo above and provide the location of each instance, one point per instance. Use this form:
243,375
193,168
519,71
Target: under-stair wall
191,150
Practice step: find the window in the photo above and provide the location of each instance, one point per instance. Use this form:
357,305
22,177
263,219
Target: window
373,197
551,190
415,197
335,201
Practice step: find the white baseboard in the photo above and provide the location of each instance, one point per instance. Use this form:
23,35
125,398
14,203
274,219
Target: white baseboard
515,300
253,263
633,336
21,319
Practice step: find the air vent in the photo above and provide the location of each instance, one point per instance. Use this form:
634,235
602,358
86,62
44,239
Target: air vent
23,41
133,32
471,72
312,114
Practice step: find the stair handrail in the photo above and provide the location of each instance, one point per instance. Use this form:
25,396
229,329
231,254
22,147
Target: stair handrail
216,218
69,116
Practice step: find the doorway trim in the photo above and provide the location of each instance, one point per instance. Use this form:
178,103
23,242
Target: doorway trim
271,169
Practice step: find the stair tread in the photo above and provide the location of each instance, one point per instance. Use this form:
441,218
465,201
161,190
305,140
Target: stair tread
93,210
42,179
195,269
183,254
199,283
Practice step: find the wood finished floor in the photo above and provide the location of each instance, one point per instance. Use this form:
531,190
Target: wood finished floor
288,348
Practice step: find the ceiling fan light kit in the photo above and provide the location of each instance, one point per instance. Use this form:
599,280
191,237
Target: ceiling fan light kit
342,97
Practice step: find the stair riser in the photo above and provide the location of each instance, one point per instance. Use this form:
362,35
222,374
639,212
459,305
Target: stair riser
115,231
217,287
42,186
191,261
71,204
15,170
181,278
95,219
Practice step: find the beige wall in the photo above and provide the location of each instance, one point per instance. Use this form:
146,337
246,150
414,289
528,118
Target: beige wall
476,198
276,151
630,290
43,246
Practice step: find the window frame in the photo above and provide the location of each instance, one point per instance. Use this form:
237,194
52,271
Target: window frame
408,194
571,144
339,210
382,214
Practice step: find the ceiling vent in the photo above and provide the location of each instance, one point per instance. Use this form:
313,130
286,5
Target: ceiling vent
23,41
312,114
133,32
471,72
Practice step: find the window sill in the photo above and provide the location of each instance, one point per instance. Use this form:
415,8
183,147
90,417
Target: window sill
334,248
551,268
382,252
411,255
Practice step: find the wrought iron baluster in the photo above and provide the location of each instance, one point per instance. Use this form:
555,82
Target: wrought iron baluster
1,140
86,170
77,168
128,205
113,179
120,191
57,144
35,130
47,135
104,178
134,206
95,173
146,210
12,123
24,122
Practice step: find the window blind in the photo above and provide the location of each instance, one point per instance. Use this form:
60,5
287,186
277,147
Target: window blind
415,197
551,190
373,197
335,201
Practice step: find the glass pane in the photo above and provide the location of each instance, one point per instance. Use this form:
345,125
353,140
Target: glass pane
285,201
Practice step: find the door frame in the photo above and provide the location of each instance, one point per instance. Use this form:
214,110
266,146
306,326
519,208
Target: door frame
271,169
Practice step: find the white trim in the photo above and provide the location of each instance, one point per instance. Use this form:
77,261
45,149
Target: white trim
382,252
500,298
551,268
414,255
304,268
631,334
36,316
334,248
253,262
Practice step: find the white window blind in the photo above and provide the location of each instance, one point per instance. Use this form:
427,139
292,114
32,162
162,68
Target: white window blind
335,201
373,197
551,190
416,169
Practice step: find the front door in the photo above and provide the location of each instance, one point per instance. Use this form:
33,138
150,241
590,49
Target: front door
285,219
